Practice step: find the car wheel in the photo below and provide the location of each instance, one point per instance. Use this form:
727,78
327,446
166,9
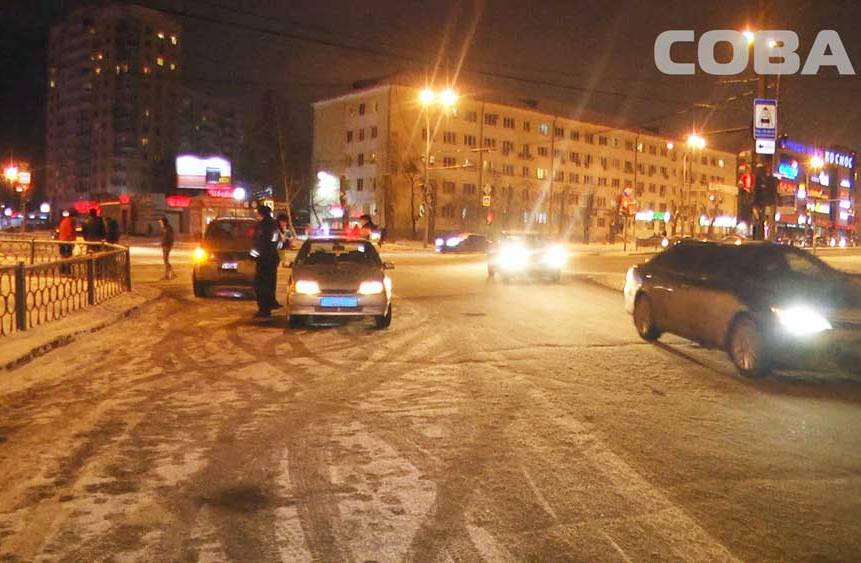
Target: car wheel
198,287
384,321
747,349
297,321
644,319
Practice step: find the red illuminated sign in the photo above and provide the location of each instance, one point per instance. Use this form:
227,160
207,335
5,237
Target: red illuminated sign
84,205
225,192
125,198
180,201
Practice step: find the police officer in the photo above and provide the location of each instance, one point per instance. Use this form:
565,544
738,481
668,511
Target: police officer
266,252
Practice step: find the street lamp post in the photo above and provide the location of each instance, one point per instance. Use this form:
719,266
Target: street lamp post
428,98
694,143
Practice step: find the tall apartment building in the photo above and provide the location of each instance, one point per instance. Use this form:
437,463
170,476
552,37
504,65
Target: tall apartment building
113,90
207,125
541,169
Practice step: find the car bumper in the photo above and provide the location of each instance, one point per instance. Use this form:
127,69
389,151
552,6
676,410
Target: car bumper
836,347
368,305
213,274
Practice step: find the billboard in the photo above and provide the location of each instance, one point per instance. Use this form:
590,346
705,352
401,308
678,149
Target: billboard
202,172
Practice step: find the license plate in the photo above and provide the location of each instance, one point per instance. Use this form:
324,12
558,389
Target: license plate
230,265
339,302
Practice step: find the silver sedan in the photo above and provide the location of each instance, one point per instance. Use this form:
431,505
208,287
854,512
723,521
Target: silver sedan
341,277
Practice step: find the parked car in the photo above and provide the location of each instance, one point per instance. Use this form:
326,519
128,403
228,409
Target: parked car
765,304
223,256
340,277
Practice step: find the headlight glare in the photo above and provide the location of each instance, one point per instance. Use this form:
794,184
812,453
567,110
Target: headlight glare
513,257
799,320
370,287
555,256
307,287
200,255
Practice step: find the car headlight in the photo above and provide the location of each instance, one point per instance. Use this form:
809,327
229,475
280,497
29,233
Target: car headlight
307,287
453,241
801,320
370,287
665,242
513,257
555,256
439,242
200,255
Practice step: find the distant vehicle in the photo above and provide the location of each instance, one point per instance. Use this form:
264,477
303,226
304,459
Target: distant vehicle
223,256
461,243
526,254
341,277
765,304
734,239
654,241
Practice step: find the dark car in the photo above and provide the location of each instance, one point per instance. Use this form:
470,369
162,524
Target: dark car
223,257
461,243
765,304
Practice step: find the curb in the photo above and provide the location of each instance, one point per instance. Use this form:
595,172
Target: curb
36,350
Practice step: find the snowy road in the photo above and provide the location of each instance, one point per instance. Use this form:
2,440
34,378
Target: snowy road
491,422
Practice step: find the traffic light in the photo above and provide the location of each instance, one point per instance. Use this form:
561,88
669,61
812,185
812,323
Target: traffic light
746,181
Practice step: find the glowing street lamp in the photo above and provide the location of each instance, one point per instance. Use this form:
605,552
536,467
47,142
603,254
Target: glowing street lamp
11,173
816,162
448,98
696,141
427,96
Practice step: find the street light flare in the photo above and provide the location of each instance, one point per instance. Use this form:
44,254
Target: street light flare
749,36
427,96
11,173
448,97
816,162
696,141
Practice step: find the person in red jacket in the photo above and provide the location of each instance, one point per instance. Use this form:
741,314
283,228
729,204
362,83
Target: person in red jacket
67,232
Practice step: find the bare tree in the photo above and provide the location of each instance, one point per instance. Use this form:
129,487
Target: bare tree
587,213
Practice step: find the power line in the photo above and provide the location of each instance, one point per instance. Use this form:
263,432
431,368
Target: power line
412,59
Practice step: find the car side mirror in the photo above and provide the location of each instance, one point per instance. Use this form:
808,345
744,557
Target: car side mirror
388,266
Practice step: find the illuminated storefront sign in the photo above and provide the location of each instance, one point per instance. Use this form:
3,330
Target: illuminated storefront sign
649,215
840,159
194,172
726,221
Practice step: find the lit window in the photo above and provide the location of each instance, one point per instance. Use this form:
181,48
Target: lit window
172,66
53,84
173,39
159,61
99,56
146,70
721,163
160,34
144,141
98,70
146,112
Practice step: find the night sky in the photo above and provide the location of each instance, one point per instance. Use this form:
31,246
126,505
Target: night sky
596,55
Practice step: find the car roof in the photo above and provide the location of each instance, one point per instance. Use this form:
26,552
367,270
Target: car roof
336,238
234,220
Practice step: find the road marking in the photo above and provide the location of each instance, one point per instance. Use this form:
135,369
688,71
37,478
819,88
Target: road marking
541,500
678,530
621,552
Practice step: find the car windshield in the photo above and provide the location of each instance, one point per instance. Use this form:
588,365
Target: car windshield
230,230
331,253
789,260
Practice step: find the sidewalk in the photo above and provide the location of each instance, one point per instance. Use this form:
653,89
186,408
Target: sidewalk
22,347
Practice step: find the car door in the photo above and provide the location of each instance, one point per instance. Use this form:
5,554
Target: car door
663,281
705,298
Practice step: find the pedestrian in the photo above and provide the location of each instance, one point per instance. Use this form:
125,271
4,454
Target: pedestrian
265,251
94,229
112,230
67,233
166,247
